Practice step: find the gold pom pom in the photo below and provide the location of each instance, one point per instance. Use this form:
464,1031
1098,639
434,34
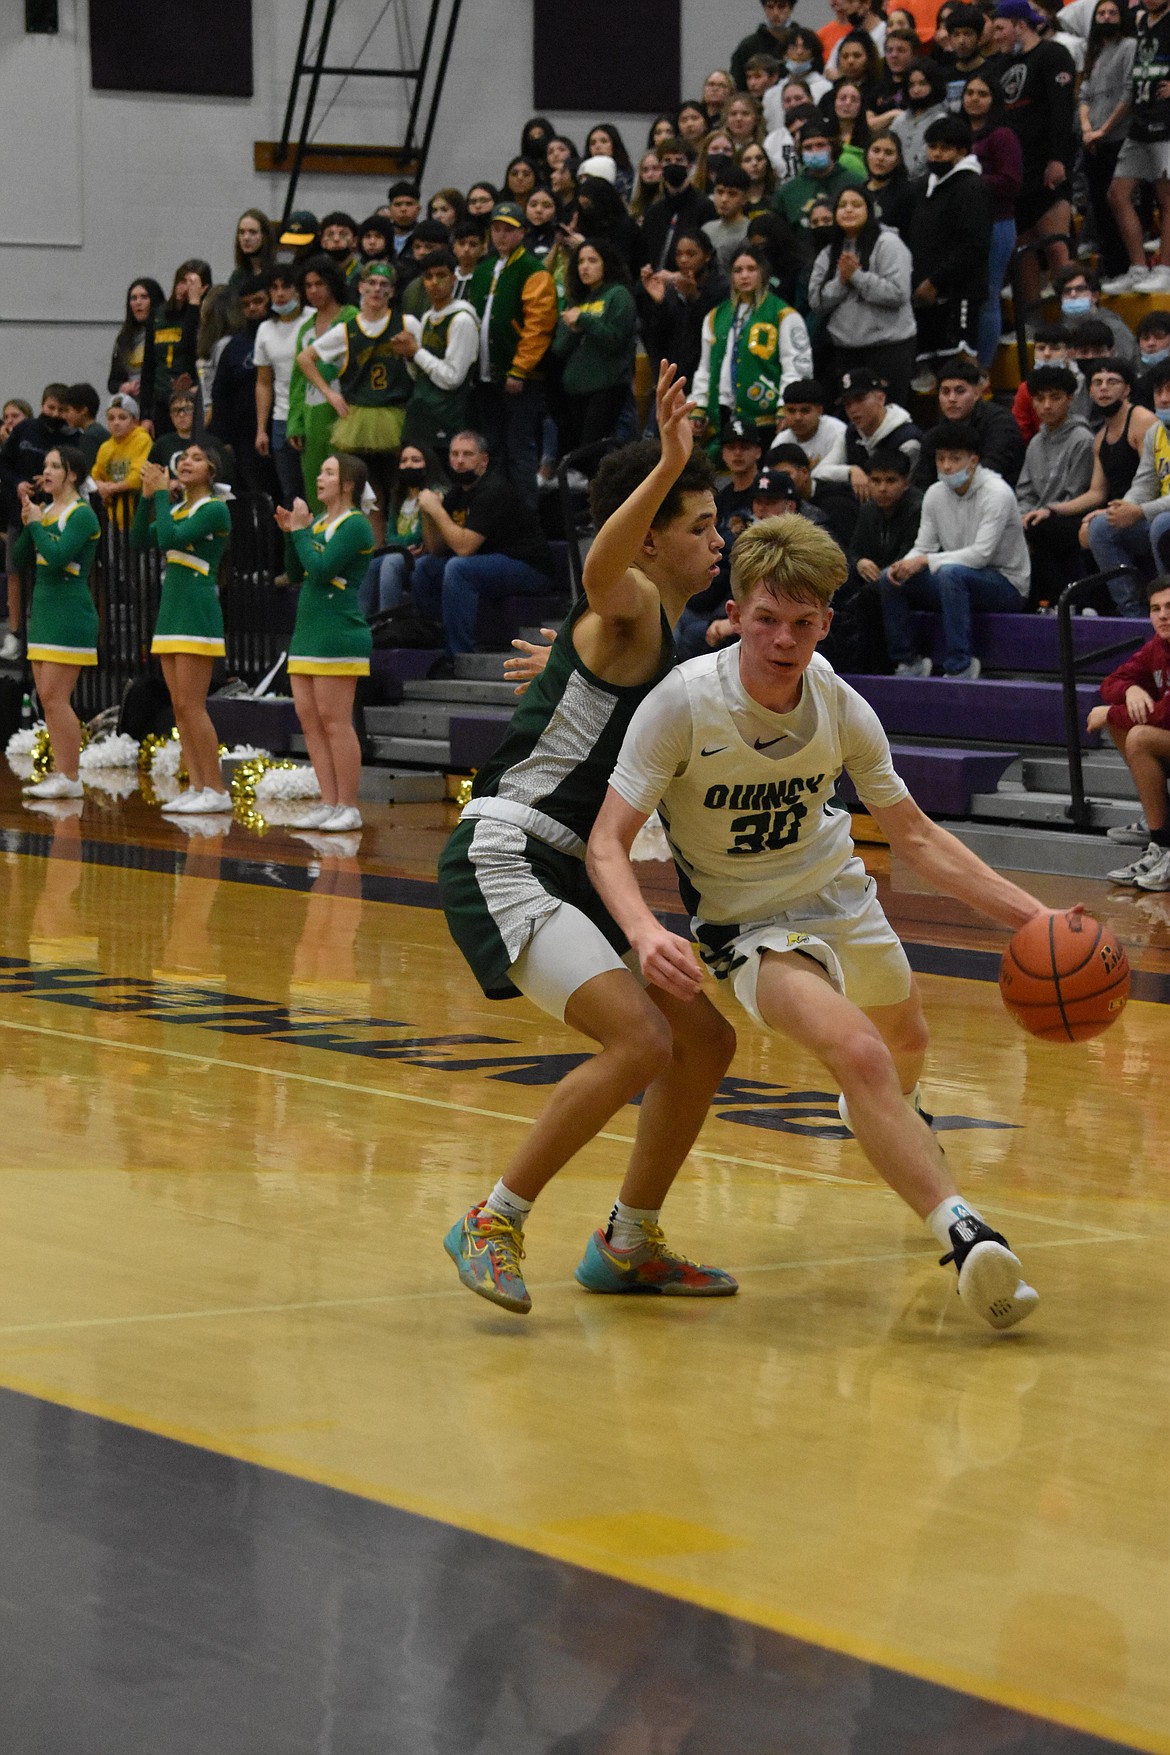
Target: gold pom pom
42,754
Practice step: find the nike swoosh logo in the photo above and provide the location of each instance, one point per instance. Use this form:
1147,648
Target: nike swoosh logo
719,747
770,742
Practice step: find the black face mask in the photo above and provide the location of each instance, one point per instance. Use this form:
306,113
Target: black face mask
1110,408
341,255
465,478
1108,31
674,176
412,477
920,103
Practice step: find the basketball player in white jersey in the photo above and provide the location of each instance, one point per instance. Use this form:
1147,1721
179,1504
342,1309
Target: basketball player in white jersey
740,751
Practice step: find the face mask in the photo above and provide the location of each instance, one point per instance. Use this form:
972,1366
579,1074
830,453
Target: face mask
717,164
288,308
1108,31
1155,359
465,477
412,477
1163,415
1110,408
798,69
674,176
959,479
817,158
1079,305
341,255
920,103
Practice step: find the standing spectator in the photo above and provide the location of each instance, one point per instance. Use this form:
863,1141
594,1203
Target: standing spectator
482,197
950,241
516,303
1103,113
428,237
692,124
142,298
673,304
820,174
404,204
534,138
1145,154
858,56
605,141
1135,711
926,90
255,247
744,122
80,407
274,352
872,421
601,212
718,89
648,185
761,180
233,394
519,180
805,60
965,26
595,343
440,350
467,247
890,95
1001,161
372,387
805,422
682,208
310,419
60,542
171,346
961,401
763,83
887,181
768,38
219,319
1039,91
969,554
861,286
302,235
729,229
1079,292
754,345
481,540
449,207
1132,531
790,255
1058,468
339,240
182,412
117,469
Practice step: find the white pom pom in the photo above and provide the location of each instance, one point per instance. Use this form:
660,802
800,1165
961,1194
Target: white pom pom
650,842
115,751
116,782
287,783
165,765
247,752
21,742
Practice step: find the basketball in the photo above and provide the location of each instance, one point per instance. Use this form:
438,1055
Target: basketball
1064,977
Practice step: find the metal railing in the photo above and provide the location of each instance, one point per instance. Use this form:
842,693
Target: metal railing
1078,810
127,583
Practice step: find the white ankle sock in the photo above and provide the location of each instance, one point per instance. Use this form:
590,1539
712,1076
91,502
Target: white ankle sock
624,1230
509,1206
944,1215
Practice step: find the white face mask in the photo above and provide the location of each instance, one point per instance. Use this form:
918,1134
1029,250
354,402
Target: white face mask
286,309
958,478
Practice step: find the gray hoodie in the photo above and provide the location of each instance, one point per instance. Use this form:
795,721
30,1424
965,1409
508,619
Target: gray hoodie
874,307
1058,464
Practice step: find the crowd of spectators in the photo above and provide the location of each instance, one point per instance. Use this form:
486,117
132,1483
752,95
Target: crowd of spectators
819,242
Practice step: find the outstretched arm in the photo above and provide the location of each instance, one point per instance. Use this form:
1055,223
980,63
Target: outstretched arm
949,866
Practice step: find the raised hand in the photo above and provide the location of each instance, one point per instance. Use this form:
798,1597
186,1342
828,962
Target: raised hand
674,417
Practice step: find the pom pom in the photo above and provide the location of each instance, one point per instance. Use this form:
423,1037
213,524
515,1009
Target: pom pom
286,780
112,751
23,742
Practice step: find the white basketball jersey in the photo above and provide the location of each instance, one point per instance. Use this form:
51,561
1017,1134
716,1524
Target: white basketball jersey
752,834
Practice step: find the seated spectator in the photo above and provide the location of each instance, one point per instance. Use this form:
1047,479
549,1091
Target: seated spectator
1135,711
835,508
820,174
80,408
858,56
728,229
1153,345
389,573
768,38
482,197
692,124
872,422
763,83
595,342
647,185
117,470
1079,292
673,304
887,524
182,414
950,242
1058,467
860,284
480,541
1120,431
744,121
926,89
1132,531
969,554
440,351
804,58
714,154
754,345
718,90
803,419
961,399
143,298
1051,346
741,451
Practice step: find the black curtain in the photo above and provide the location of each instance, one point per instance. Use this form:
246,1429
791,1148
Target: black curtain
196,48
604,56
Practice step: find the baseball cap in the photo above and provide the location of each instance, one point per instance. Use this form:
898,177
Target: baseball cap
860,382
1019,10
602,166
508,213
774,484
126,403
300,230
743,430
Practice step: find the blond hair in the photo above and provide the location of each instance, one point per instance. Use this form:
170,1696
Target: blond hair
791,557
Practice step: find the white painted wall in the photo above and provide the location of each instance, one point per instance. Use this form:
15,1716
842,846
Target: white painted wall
98,187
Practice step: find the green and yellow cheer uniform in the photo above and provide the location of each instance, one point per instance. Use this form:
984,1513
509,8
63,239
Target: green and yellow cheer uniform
310,417
331,636
62,620
373,380
193,539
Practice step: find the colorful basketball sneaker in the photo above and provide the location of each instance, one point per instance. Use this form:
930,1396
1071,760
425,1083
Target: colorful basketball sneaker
650,1267
991,1281
488,1251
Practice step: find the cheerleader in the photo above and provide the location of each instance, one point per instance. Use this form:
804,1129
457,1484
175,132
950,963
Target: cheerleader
188,635
330,645
62,621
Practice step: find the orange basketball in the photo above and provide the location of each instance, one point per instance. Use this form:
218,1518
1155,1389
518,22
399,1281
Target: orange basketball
1064,977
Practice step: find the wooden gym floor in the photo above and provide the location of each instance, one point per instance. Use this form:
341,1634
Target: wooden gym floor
275,1482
